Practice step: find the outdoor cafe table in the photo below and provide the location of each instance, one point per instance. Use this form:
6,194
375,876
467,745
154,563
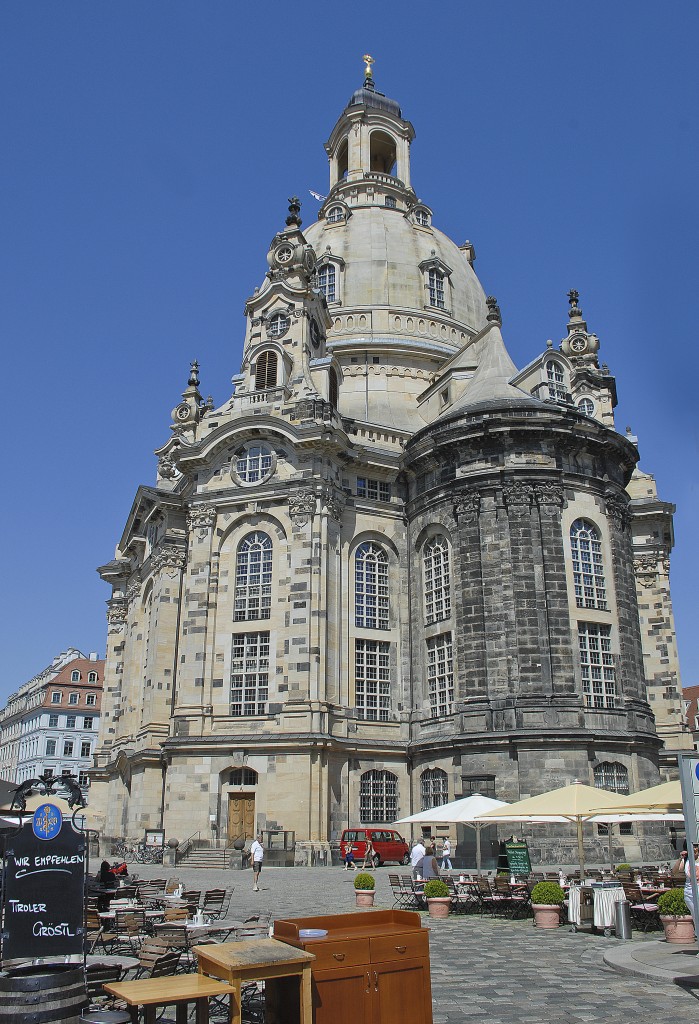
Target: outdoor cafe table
178,990
127,963
603,904
268,960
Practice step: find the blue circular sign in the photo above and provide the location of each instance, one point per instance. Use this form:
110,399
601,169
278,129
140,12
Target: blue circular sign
696,769
47,821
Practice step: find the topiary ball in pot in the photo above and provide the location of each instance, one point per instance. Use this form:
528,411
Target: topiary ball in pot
364,886
673,903
435,888
547,900
364,881
675,917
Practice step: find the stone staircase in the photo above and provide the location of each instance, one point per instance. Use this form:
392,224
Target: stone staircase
204,857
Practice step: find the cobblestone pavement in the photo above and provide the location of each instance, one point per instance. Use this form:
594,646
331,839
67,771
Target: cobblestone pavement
482,968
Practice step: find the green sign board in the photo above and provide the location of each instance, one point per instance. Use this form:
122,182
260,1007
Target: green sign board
518,856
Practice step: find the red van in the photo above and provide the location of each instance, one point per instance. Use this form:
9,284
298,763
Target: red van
388,845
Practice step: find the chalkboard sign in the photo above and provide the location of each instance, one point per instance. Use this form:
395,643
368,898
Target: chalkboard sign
44,893
518,856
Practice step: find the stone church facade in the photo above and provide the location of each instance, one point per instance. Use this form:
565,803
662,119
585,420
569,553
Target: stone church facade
390,569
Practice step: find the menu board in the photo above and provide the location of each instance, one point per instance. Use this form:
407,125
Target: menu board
518,856
44,892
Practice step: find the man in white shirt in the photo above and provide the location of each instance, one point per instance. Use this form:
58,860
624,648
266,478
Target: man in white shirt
416,855
446,855
256,855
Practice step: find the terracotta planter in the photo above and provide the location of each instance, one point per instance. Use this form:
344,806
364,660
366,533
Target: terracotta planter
439,906
546,915
679,930
364,897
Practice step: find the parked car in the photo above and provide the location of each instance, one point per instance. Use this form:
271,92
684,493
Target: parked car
388,845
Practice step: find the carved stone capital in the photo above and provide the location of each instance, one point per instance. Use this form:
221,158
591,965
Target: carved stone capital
201,517
167,468
333,506
302,505
168,559
467,507
134,587
116,617
617,509
518,499
549,498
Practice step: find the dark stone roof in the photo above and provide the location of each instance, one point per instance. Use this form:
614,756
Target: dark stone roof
368,96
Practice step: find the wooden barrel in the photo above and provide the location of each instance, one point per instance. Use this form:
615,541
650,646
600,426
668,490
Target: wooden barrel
43,994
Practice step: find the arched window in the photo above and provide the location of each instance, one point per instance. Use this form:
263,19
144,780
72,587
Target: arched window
266,371
586,406
434,788
243,777
253,578
382,153
332,387
556,380
326,281
75,676
422,218
371,587
435,561
613,776
92,677
436,288
335,214
588,569
378,797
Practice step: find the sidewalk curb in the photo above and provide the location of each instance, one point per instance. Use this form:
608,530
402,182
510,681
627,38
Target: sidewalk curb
621,959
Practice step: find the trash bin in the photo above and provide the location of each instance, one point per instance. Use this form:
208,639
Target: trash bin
622,919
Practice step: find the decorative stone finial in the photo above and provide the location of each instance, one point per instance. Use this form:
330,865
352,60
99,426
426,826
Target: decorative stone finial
493,315
294,210
549,343
193,381
573,297
368,61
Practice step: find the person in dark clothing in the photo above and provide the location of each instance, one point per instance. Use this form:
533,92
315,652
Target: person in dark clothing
108,880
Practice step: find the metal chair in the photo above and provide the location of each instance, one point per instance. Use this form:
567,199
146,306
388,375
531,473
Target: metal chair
215,903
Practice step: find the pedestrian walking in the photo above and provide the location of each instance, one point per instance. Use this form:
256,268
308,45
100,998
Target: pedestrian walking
368,855
349,859
446,855
256,854
416,855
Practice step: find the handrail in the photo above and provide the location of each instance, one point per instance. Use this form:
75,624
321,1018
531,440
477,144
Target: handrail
184,847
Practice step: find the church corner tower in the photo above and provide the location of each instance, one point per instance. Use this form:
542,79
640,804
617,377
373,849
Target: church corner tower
390,569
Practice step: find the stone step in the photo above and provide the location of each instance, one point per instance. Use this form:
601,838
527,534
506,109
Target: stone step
206,859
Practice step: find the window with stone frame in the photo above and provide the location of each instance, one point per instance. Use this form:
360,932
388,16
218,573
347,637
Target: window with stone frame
421,217
325,280
597,665
556,381
92,677
371,597
588,568
53,721
253,577
243,777
437,579
390,202
75,676
378,797
482,784
434,788
71,721
278,324
56,697
435,287
266,371
88,722
249,674
335,214
333,390
85,749
372,679
91,699
614,777
440,675
377,490
253,462
68,748
50,748
586,406
73,698
83,779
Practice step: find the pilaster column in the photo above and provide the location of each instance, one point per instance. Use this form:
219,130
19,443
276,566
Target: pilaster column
469,642
629,667
557,669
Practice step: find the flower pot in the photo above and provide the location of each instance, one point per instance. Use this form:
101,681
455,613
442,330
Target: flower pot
679,930
439,906
546,915
364,897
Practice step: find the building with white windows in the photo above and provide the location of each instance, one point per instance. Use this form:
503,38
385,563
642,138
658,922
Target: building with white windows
50,725
389,569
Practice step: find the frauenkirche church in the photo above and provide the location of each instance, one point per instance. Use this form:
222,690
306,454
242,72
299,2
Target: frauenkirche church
391,569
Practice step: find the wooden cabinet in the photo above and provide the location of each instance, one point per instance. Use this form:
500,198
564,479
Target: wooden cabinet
370,968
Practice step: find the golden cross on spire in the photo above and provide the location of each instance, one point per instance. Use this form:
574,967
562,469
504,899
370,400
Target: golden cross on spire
368,61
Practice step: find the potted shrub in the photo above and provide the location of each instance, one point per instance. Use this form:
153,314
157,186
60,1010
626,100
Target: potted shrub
438,897
675,916
547,900
364,889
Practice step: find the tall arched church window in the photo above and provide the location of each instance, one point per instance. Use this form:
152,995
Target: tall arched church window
588,569
436,568
253,577
371,587
613,776
335,214
440,675
434,788
378,797
326,281
332,387
266,371
556,381
435,280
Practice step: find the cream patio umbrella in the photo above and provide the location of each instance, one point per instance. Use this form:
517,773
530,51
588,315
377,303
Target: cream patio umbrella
575,803
663,801
461,812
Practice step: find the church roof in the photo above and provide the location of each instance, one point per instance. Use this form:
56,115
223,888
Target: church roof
369,96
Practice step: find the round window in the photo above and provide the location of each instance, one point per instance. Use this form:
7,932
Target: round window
586,406
253,463
278,325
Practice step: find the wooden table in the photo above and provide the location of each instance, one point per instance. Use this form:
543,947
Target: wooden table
275,963
178,990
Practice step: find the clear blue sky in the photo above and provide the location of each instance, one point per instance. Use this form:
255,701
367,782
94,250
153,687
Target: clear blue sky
148,150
